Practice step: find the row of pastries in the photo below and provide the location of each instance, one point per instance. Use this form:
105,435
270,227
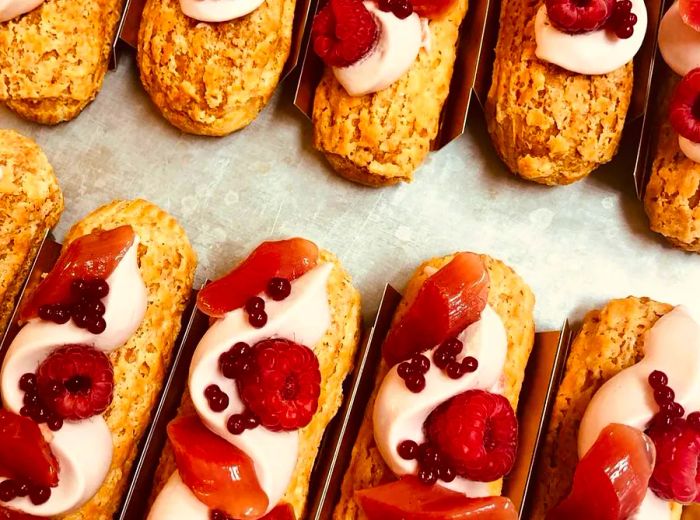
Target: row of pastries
95,335
556,108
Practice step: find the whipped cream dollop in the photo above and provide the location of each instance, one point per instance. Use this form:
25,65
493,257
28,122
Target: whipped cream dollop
10,9
678,42
690,149
672,345
218,10
397,48
592,53
304,317
83,448
399,414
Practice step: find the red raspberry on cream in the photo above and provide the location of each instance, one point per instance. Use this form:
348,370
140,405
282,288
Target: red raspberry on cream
344,31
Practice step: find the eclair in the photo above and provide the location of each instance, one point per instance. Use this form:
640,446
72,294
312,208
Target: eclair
264,382
561,85
388,70
31,203
624,437
54,55
211,66
440,430
79,380
671,196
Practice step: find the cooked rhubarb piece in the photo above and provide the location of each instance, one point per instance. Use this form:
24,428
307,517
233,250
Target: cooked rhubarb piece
90,257
409,499
448,302
281,512
219,474
690,12
10,514
23,451
611,479
286,259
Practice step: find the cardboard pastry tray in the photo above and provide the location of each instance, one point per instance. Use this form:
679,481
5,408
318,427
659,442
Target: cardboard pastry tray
544,371
656,111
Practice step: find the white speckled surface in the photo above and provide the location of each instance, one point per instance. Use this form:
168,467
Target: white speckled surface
576,246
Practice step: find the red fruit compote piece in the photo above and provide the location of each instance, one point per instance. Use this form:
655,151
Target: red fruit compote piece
281,512
676,476
579,16
287,259
448,301
344,32
23,451
91,256
477,432
409,499
690,13
684,112
282,385
220,475
433,9
11,514
611,480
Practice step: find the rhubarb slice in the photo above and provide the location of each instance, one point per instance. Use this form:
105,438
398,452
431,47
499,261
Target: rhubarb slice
23,451
287,259
611,479
91,256
220,475
409,499
448,302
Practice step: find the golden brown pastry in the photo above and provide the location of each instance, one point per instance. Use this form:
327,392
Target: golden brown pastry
30,205
550,125
514,302
610,340
673,191
213,78
54,58
335,353
166,265
382,138
691,512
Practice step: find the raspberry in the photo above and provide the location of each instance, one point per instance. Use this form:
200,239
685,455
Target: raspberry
477,433
676,474
685,107
623,20
344,31
283,384
579,16
76,382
